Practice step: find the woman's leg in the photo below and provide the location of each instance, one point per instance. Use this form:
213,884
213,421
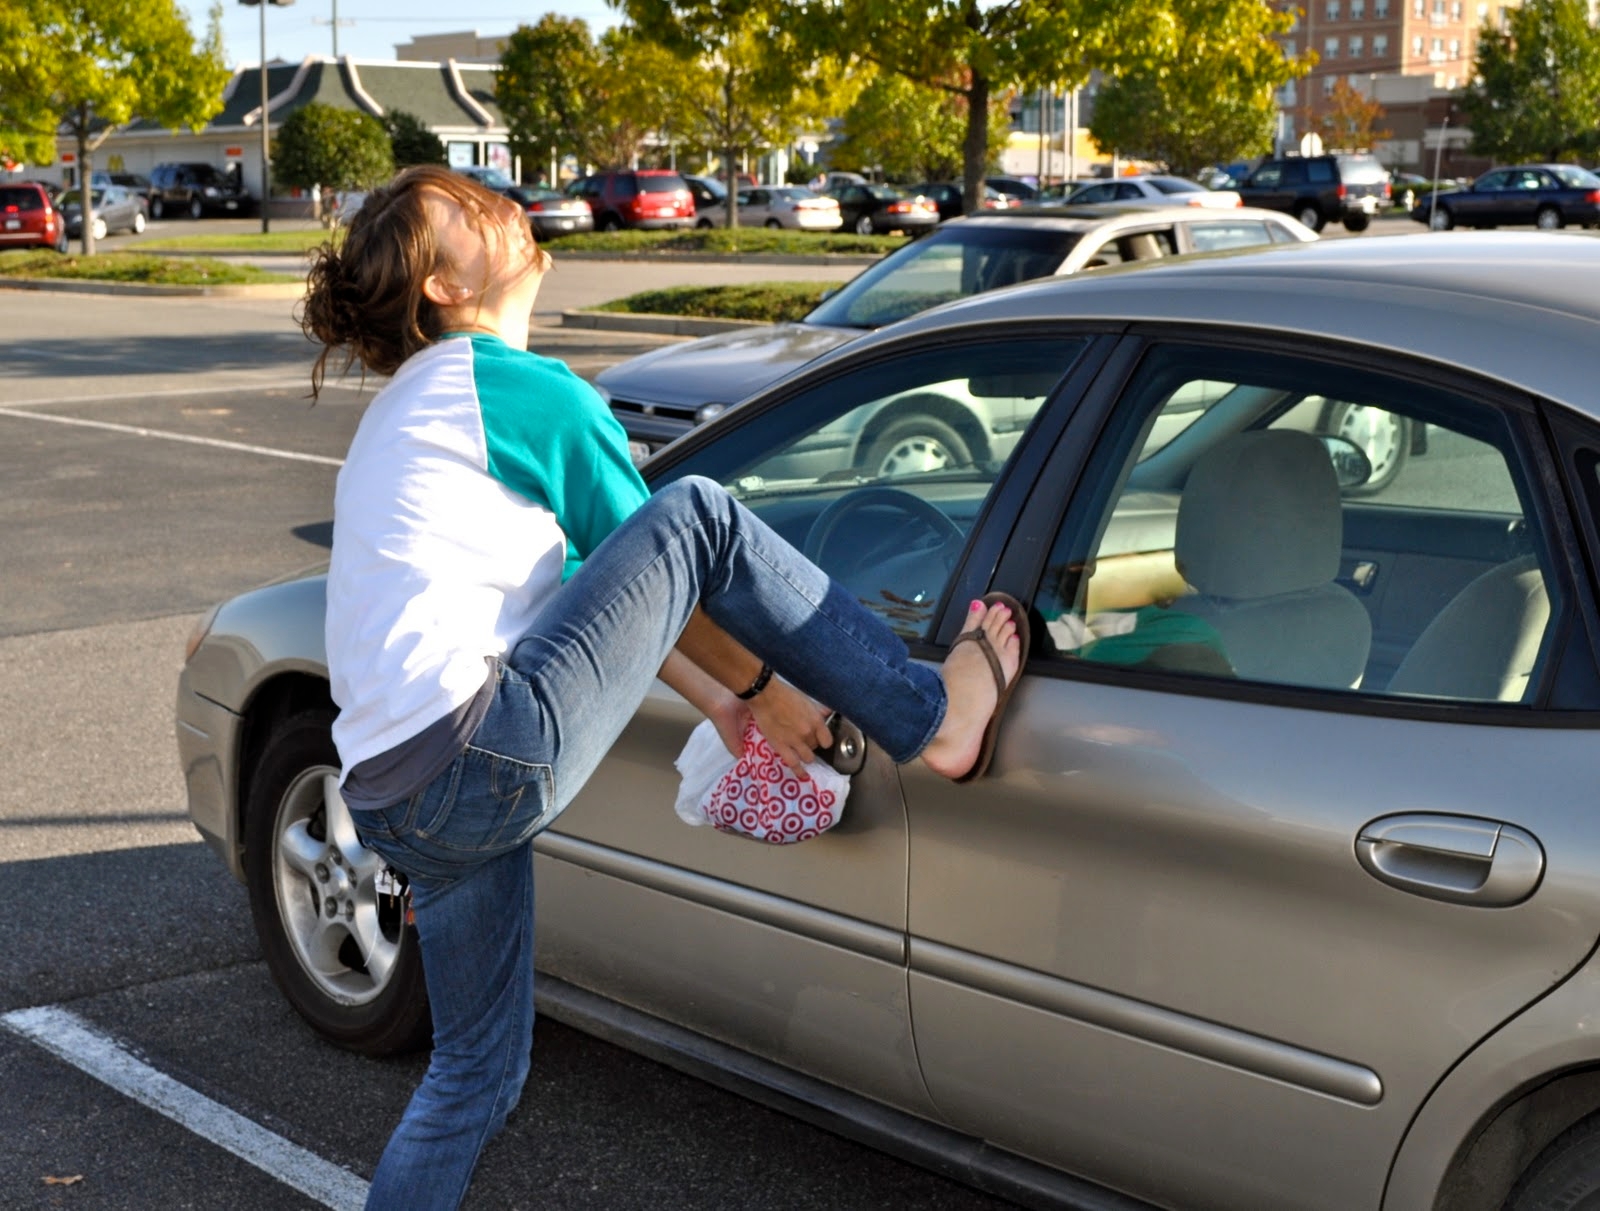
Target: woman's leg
477,950
594,651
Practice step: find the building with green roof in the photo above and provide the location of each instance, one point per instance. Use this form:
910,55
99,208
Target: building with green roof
453,99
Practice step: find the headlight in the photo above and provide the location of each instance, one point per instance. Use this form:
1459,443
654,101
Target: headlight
707,412
211,191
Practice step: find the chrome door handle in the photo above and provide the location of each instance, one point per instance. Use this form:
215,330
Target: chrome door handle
1459,859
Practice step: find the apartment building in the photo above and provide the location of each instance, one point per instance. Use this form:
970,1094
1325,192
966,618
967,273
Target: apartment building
1360,40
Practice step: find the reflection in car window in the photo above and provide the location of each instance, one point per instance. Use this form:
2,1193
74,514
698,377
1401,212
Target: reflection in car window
1272,518
956,261
878,475
1234,233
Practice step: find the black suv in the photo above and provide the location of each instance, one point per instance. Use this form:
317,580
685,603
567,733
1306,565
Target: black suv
1318,190
195,190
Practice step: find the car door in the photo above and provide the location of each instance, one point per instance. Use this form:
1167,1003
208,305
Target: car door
755,207
797,953
1488,201
1237,894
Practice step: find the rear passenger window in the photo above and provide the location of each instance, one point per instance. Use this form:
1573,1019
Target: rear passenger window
1272,518
1236,233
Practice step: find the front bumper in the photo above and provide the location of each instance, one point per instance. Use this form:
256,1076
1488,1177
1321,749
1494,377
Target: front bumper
208,747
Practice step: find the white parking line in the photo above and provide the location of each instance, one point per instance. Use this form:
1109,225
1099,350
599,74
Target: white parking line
69,1037
138,431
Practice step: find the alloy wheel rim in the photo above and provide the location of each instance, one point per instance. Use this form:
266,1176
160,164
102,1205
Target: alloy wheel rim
324,880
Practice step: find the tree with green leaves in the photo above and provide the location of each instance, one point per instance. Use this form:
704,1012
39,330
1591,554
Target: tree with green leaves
411,142
979,49
94,65
329,149
746,81
912,132
546,87
1211,98
1535,92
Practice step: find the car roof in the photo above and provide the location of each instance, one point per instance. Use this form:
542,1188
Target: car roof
1096,216
1519,307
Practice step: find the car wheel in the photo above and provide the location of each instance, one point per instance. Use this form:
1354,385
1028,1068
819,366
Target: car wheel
1549,219
138,222
196,210
610,223
912,445
1381,435
341,952
703,224
99,228
772,225
1310,216
1566,1175
1355,223
1441,219
864,225
157,208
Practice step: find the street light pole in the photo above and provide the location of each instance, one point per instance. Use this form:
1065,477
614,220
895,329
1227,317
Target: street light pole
266,137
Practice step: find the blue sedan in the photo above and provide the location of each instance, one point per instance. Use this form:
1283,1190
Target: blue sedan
1547,196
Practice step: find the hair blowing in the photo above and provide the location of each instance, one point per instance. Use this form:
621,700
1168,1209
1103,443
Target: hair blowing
364,297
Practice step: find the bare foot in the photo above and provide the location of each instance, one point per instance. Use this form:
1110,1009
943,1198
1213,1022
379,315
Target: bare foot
971,691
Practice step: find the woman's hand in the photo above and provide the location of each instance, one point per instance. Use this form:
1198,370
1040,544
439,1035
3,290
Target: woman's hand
794,725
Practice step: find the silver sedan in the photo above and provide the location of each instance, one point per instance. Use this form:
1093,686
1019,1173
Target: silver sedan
1283,891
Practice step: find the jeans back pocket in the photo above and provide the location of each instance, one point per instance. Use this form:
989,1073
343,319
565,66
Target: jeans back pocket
484,803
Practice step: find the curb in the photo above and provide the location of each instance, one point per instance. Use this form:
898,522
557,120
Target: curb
658,325
264,290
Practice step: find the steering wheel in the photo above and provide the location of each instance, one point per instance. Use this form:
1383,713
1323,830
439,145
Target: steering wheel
912,506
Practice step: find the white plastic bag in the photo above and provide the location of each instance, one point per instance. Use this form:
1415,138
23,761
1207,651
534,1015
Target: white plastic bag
756,795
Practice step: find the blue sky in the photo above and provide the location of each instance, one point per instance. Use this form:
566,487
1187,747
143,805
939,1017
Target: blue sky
370,29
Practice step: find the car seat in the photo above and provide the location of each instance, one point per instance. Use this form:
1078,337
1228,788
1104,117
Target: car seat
1259,536
1483,645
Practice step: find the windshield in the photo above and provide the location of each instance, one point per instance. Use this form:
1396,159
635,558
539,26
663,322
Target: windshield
951,263
1574,177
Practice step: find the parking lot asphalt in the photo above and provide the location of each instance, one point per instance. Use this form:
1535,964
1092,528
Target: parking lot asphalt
160,455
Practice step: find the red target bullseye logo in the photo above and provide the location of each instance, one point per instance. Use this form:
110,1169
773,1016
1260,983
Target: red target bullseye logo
761,798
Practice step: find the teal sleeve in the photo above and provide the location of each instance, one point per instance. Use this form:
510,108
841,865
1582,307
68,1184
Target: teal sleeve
551,438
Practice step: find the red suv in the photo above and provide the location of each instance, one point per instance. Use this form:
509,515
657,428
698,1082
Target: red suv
650,198
28,219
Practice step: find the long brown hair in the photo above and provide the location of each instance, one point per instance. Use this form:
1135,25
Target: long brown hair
364,297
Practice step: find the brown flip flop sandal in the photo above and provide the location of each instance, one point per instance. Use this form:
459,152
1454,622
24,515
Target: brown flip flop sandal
991,732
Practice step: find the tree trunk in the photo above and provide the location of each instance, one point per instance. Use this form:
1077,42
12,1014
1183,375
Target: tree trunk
975,147
85,179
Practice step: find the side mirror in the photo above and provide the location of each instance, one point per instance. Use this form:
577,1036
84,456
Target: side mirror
1351,465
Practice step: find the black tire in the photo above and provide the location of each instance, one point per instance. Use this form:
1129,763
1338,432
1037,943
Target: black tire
772,225
1383,437
1549,218
196,210
63,243
703,224
1357,223
1310,214
1441,219
1565,1176
913,444
610,222
288,849
157,208
864,225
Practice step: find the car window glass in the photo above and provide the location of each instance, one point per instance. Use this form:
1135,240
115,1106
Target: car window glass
1127,191
1094,193
1573,177
878,474
1493,180
1267,176
956,261
1272,518
15,197
1361,170
1321,172
1294,173
662,182
1228,233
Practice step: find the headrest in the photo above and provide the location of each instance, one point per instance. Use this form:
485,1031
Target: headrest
1260,516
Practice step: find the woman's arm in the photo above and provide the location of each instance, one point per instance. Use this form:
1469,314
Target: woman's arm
710,667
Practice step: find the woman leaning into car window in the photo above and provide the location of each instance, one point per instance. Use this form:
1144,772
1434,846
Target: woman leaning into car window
503,592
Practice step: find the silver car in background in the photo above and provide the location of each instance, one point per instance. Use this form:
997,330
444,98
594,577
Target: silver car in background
661,395
1283,893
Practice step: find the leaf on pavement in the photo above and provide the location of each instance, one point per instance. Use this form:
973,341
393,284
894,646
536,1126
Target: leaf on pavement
63,1181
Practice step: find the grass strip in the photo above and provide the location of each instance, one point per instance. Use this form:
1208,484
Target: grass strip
768,302
713,241
138,268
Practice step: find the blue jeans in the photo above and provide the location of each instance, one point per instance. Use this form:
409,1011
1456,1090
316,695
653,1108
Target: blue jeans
564,695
